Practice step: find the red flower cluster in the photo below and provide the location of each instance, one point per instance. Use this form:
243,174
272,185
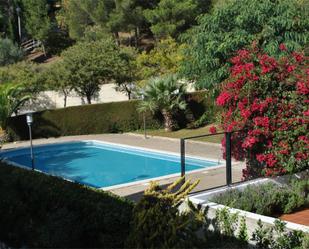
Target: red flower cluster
223,99
303,87
268,99
213,130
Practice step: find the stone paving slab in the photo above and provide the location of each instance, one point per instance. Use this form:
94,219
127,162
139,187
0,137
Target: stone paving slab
209,178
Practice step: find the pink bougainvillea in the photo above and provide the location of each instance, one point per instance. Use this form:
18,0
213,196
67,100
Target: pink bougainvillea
212,129
267,98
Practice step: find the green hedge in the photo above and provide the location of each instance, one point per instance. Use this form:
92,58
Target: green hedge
98,118
41,211
81,120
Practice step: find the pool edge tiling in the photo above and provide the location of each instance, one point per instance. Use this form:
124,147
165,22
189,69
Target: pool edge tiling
132,165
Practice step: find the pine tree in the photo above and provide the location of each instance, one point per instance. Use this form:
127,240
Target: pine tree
37,21
171,17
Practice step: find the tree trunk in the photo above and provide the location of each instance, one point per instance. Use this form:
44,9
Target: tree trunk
88,100
44,51
136,31
117,38
65,100
169,124
129,94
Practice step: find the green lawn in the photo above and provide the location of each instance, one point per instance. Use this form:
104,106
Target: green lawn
185,133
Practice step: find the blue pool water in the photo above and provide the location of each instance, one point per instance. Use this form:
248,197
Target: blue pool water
99,164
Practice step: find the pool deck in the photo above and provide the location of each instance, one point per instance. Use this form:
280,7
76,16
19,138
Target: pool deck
209,178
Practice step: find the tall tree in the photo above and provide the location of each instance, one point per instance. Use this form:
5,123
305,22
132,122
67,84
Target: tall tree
165,58
236,24
57,78
37,20
79,14
171,17
90,64
128,15
126,79
114,15
8,24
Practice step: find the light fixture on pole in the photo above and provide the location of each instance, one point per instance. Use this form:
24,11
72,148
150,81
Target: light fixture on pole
29,118
18,10
144,114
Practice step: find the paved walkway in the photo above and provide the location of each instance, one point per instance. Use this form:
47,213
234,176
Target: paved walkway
208,178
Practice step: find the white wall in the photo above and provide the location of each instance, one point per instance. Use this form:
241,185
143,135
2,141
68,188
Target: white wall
53,99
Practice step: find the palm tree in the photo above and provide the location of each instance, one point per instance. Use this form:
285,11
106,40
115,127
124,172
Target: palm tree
164,94
12,97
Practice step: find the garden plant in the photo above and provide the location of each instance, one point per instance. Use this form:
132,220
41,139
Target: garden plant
268,199
12,97
267,99
164,94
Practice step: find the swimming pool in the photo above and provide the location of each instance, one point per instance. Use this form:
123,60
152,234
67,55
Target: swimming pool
99,164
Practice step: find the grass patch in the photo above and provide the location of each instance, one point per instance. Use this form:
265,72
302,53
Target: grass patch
186,133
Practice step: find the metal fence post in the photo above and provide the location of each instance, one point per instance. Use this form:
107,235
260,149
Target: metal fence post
228,152
182,156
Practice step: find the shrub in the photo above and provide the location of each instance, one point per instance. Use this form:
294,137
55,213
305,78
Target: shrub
166,95
12,97
267,98
226,222
278,237
42,211
158,222
267,199
29,74
9,52
210,111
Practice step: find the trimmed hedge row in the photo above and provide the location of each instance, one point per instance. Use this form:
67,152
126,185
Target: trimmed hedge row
98,118
41,211
81,120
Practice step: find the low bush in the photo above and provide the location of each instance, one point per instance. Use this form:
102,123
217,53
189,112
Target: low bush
267,199
98,118
278,237
41,211
157,221
206,110
9,52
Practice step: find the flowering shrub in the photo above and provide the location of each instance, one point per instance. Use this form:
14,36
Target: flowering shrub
212,129
268,99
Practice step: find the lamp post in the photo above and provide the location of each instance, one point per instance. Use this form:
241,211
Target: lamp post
144,114
29,117
18,10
